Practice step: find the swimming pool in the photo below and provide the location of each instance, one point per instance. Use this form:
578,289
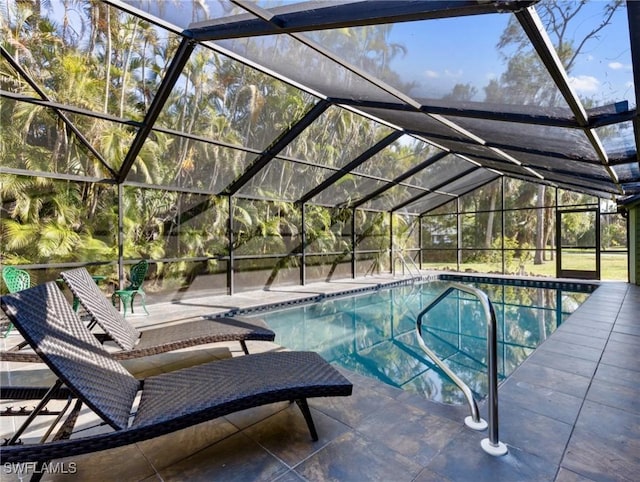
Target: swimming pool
374,333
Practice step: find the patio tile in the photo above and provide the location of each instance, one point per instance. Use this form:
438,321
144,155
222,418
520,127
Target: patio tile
619,376
430,476
598,310
565,475
623,338
537,434
577,328
290,476
582,339
605,445
88,466
560,361
541,400
623,355
353,457
286,435
610,423
464,460
560,380
627,329
614,395
171,448
571,349
236,458
363,403
588,322
414,433
245,418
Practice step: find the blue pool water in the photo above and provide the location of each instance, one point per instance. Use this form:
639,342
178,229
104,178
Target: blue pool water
374,333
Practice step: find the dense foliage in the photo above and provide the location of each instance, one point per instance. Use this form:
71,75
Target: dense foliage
60,202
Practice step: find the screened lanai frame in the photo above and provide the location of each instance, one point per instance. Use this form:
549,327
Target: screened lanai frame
449,130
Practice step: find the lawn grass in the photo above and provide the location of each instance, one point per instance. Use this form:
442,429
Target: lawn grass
613,266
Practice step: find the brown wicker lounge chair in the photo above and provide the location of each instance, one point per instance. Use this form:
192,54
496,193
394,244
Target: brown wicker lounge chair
135,343
168,402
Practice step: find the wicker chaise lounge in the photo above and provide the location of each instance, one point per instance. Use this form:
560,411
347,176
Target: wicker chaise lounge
139,343
169,401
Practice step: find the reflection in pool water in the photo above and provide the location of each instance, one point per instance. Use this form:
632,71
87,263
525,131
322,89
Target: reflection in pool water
374,334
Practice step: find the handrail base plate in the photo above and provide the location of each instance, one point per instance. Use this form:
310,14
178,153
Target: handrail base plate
480,425
495,450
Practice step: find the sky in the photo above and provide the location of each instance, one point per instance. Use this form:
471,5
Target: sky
466,53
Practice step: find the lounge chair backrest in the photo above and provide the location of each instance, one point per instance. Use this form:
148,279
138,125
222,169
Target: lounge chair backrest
100,308
46,320
16,279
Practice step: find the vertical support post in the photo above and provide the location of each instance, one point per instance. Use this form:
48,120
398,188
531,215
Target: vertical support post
633,251
458,235
230,267
353,243
120,236
174,71
558,241
391,243
558,306
502,199
598,243
303,243
420,241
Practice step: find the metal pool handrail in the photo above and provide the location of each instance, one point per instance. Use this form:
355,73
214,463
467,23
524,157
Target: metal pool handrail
405,266
492,444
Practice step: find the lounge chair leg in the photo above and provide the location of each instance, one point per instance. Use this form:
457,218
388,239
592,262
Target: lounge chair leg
243,344
34,413
304,408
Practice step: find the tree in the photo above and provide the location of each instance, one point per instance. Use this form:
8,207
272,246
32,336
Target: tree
525,80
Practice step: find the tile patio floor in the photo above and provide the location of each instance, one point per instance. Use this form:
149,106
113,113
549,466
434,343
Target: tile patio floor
570,412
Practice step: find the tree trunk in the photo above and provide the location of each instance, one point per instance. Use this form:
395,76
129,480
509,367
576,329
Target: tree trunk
108,66
540,238
549,230
492,212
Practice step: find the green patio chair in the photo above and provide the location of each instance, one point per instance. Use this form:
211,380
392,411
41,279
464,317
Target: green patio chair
137,275
16,280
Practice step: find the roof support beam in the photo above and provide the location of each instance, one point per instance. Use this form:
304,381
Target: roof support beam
352,165
70,125
457,196
310,16
633,12
67,108
173,74
532,25
277,146
469,110
399,179
269,18
435,188
568,185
